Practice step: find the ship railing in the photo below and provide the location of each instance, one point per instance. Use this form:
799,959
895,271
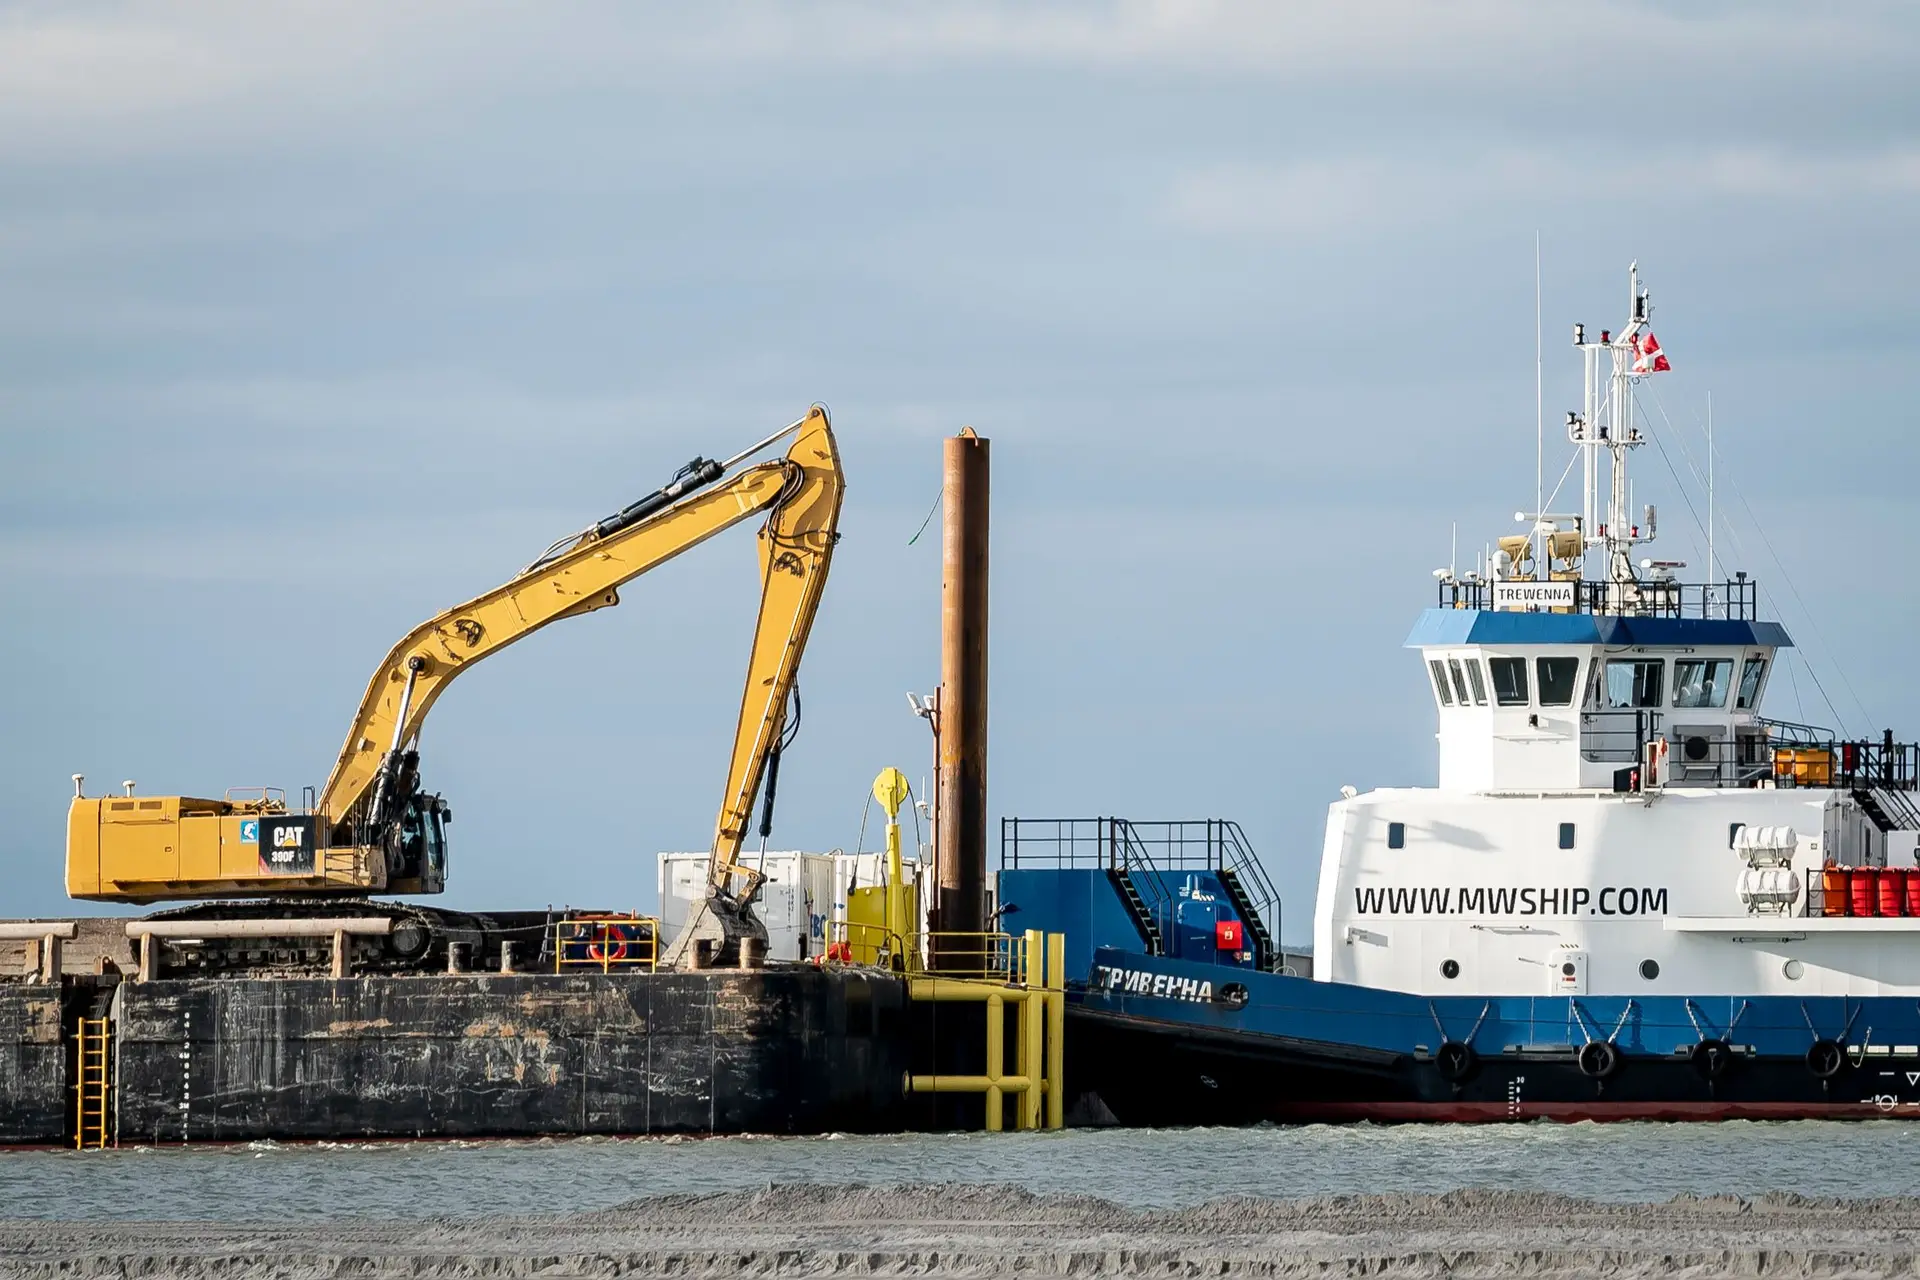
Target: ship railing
1780,753
1791,732
958,954
943,953
1097,843
1735,600
1856,765
610,942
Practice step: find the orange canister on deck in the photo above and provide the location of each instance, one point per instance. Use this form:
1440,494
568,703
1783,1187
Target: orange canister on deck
1865,898
1833,891
1893,890
1913,893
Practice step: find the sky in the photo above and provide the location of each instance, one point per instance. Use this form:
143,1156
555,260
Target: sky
316,319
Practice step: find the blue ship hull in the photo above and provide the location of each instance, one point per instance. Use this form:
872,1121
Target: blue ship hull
1169,1041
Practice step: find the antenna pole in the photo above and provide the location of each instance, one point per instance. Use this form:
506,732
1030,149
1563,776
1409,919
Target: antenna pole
1713,573
1539,419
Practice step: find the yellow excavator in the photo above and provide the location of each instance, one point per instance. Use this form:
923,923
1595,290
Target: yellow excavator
373,829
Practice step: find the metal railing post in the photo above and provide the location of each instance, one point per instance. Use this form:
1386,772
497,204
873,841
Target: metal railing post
1032,1028
1056,978
996,1059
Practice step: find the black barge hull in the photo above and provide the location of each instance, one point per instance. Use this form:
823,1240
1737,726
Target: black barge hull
777,1050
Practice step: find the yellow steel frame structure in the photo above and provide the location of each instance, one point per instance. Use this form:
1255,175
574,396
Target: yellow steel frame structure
607,935
1036,987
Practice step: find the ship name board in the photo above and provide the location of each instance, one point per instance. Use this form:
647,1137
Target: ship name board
1520,596
1140,982
1510,900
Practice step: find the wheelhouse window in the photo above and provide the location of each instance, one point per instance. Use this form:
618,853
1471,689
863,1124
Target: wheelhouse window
1478,682
1699,682
1439,670
1635,682
1752,676
1509,681
1459,681
1558,677
1396,835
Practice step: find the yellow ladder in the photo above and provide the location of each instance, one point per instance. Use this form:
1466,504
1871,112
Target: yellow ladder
90,1090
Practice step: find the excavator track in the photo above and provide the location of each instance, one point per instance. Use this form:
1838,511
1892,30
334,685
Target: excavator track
421,939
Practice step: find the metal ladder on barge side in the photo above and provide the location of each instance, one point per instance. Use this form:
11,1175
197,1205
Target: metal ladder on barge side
91,1087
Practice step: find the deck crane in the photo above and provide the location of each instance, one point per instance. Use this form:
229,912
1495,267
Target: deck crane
373,829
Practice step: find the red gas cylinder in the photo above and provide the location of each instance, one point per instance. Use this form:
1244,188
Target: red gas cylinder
1865,884
1833,891
1893,890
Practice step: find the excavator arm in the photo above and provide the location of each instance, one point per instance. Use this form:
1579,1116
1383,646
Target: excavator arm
801,496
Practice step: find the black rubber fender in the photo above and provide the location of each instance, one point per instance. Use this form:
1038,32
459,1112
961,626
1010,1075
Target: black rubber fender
1825,1058
1456,1061
1598,1059
1711,1058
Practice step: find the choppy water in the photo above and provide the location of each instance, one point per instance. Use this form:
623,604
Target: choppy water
1630,1162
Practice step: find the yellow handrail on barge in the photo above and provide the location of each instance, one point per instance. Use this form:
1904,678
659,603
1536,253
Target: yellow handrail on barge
611,943
1034,981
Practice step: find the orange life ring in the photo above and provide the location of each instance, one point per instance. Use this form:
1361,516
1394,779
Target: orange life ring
610,946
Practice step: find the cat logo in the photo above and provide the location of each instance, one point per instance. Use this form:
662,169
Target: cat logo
286,845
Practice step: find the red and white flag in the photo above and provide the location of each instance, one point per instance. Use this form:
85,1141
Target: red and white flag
1650,358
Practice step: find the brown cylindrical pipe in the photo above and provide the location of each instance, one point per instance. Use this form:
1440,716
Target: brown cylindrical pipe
961,834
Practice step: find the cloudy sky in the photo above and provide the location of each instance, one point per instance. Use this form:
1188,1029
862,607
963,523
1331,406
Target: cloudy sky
316,318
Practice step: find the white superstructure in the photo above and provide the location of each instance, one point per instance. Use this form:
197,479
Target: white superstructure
1614,815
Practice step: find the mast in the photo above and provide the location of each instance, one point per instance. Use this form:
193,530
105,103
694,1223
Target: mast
1606,425
1539,417
1713,563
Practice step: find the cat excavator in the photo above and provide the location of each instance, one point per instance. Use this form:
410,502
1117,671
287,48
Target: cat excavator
373,828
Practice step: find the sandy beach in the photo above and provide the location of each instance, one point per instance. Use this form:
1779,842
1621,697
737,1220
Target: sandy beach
994,1231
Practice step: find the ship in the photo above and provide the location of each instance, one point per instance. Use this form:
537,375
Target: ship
1632,894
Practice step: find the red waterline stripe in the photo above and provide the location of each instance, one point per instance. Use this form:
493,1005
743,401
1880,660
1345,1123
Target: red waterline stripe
1486,1112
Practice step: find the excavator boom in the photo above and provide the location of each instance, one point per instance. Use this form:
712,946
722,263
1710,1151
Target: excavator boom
372,829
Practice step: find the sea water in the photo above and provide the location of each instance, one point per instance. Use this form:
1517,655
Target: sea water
1138,1168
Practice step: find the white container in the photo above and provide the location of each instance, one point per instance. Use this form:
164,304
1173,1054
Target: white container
795,902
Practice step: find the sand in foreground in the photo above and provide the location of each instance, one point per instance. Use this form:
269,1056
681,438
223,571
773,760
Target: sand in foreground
992,1231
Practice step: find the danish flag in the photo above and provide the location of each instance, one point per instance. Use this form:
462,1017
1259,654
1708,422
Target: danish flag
1650,358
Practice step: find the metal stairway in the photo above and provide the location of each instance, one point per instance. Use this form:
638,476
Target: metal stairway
1137,907
1890,810
1144,861
1264,955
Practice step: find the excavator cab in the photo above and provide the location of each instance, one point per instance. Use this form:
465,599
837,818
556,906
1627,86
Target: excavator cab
405,823
416,845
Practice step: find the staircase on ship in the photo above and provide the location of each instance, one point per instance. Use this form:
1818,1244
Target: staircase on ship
1145,862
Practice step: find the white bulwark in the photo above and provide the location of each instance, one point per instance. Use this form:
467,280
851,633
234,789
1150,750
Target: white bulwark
1615,815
